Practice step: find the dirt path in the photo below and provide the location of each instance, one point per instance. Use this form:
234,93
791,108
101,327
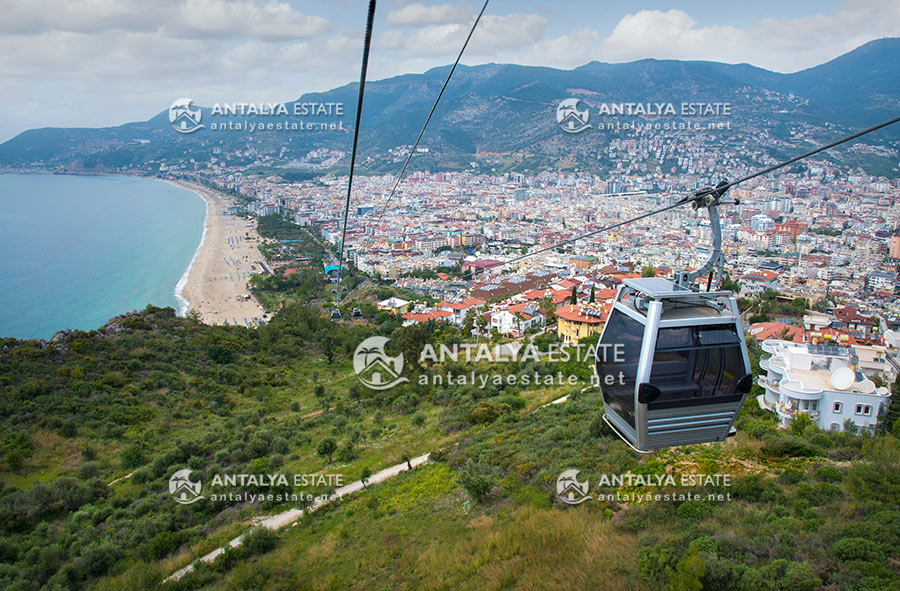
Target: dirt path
293,515
120,478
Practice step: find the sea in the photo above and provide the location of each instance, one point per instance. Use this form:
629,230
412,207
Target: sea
77,250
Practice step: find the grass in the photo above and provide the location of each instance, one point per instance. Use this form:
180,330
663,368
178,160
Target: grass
422,531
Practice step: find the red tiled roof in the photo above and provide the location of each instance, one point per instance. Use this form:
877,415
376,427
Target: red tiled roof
572,313
432,314
762,331
851,314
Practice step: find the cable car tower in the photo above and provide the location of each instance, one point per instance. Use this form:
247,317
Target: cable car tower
672,363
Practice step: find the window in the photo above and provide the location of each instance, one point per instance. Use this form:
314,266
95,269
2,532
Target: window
837,407
859,409
863,409
696,365
617,363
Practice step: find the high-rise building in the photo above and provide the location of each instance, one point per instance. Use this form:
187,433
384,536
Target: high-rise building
895,246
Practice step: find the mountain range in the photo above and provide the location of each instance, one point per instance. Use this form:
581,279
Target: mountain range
507,109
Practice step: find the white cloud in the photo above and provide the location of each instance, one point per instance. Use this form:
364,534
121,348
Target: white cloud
420,15
105,62
266,20
780,45
494,33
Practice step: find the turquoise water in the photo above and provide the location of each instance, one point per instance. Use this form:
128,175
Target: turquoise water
78,250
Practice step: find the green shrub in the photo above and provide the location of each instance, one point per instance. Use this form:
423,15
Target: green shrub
799,576
695,510
788,446
877,477
164,544
857,549
474,478
260,540
822,493
829,473
822,440
749,488
687,574
654,560
88,470
791,476
133,456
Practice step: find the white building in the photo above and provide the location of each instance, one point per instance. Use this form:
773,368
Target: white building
762,222
821,381
517,319
460,308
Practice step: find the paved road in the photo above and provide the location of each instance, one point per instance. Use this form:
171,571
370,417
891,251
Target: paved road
293,515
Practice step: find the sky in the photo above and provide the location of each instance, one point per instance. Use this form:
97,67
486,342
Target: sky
93,63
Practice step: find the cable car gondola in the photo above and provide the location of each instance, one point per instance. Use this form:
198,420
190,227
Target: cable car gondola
357,313
671,363
335,315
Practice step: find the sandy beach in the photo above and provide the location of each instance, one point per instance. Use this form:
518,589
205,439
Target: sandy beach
216,284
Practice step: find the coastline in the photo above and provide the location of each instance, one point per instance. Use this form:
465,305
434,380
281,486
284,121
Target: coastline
184,306
215,281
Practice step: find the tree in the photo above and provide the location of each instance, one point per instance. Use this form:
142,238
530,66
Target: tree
405,458
480,323
133,456
800,422
877,477
475,480
328,348
327,447
890,418
364,476
687,573
648,271
730,285
574,297
592,298
260,540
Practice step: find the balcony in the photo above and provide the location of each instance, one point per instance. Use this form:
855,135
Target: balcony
765,383
790,411
795,389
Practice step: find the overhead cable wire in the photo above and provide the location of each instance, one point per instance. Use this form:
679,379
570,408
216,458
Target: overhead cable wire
367,41
433,107
719,190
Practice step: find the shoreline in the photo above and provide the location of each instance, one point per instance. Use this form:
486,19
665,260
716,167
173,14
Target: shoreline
215,281
184,306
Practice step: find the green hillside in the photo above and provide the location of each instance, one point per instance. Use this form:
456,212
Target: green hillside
151,393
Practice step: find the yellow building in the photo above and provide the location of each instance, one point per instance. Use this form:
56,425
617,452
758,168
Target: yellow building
394,305
579,321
